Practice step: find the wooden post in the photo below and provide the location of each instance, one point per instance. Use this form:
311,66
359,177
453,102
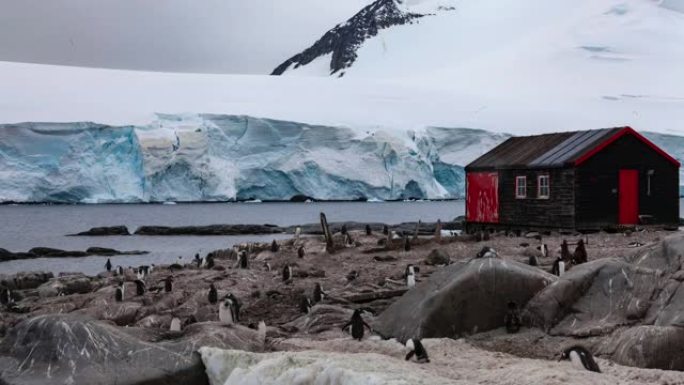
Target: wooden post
329,246
438,231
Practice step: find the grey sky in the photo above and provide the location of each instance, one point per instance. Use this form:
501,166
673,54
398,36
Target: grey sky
218,36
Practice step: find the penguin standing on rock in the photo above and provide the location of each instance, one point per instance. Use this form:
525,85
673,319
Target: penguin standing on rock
119,294
558,268
565,252
168,284
318,294
416,348
209,262
198,260
139,287
108,265
368,230
581,358
580,255
229,310
213,294
287,273
512,318
243,261
6,297
300,252
357,324
410,276
119,270
305,305
274,246
407,243
487,252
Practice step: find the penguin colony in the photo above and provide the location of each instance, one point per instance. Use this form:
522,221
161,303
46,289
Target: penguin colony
229,306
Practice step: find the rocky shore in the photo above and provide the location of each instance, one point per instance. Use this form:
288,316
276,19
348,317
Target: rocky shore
624,305
48,252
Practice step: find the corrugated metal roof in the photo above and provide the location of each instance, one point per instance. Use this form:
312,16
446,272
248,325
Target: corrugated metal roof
548,150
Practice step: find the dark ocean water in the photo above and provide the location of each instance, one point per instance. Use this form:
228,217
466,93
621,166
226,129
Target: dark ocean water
23,227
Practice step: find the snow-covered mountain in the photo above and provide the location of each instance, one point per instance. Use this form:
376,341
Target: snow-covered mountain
226,157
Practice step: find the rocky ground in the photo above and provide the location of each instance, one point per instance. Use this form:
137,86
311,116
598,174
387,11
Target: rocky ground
368,274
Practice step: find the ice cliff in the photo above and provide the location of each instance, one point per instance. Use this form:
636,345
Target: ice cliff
225,157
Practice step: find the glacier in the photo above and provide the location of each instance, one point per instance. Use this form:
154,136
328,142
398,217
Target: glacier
205,157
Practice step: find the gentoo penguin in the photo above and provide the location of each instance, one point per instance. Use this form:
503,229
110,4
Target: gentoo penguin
368,230
407,243
300,252
228,310
119,294
385,229
487,252
416,348
565,252
543,249
267,266
236,306
119,270
175,324
580,357
209,261
318,293
139,273
243,261
348,240
199,261
274,246
580,255
512,318
357,324
108,265
213,294
305,305
168,284
532,260
343,230
139,287
6,297
558,268
287,273
298,232
410,276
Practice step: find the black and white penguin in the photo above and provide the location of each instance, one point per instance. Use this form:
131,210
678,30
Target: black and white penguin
543,249
168,284
318,294
512,318
243,261
410,276
300,252
565,252
487,252
213,294
581,358
532,260
416,348
139,287
357,324
236,306
348,240
119,294
343,230
6,296
369,231
119,270
267,266
175,324
385,230
580,255
407,243
274,246
305,305
139,273
558,268
199,261
352,275
287,273
108,265
229,310
209,262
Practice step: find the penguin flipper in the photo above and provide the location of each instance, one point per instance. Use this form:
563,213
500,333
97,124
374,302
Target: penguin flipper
348,324
410,354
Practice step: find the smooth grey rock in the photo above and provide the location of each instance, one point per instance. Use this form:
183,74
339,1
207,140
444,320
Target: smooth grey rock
462,298
647,347
437,257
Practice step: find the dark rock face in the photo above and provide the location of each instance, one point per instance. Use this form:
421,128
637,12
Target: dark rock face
209,230
25,281
437,257
344,40
461,299
101,231
48,252
73,349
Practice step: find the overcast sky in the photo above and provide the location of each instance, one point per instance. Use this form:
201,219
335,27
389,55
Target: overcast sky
216,36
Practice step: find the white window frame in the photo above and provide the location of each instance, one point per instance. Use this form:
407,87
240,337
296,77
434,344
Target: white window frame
539,186
518,193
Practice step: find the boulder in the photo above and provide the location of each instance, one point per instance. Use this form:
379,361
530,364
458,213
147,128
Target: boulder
646,347
103,231
595,298
461,299
69,284
25,281
437,257
321,318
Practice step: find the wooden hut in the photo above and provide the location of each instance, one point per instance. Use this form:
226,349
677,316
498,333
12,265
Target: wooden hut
582,180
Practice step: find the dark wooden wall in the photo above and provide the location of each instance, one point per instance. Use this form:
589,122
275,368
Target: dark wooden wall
597,184
554,213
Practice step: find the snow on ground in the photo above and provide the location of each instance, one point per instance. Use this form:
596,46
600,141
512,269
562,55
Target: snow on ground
348,362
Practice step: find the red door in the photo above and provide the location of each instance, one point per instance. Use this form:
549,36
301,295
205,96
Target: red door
482,197
628,196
